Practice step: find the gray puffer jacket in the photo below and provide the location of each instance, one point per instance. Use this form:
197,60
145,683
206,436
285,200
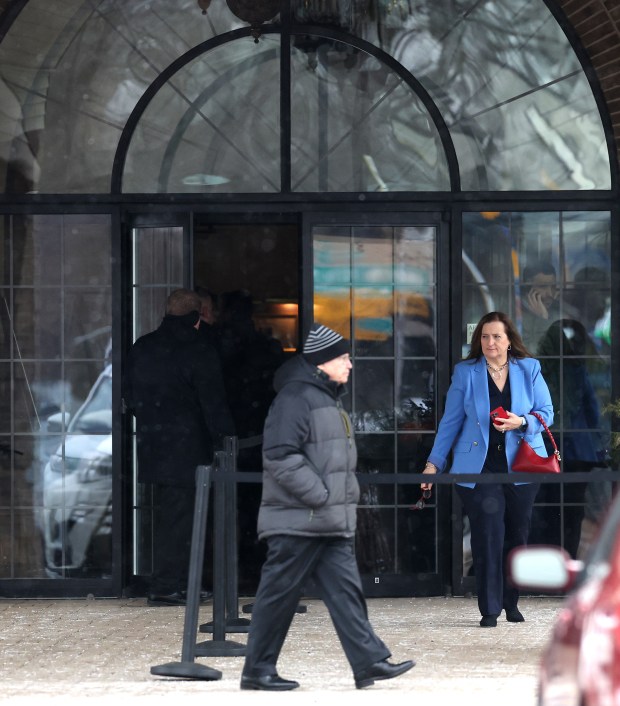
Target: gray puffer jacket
309,457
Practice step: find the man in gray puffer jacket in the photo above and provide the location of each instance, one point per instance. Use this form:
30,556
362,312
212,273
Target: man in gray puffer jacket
308,515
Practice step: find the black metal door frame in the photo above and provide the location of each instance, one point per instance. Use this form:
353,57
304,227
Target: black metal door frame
421,584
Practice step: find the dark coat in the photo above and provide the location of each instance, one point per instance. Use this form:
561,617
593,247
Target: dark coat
309,458
173,385
249,361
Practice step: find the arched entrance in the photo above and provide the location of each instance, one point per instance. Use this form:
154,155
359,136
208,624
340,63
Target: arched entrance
413,164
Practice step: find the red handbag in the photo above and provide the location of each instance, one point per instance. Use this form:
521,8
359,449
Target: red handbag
528,461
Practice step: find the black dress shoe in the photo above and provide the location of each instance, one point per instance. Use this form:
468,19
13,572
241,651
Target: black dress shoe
205,596
175,598
488,621
514,615
158,599
381,670
272,682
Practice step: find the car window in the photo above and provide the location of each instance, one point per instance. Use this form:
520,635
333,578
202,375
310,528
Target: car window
99,400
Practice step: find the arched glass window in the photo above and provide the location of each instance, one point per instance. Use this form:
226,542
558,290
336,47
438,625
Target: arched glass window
214,125
355,125
377,92
509,86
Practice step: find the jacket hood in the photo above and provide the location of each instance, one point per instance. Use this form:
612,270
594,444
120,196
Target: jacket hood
298,369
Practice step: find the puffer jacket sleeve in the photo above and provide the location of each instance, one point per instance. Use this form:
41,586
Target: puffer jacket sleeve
286,431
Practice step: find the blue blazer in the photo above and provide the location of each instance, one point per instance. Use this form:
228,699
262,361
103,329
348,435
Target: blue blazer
464,427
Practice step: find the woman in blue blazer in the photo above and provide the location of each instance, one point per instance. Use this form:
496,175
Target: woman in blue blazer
498,372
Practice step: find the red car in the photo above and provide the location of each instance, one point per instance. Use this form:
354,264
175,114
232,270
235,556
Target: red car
581,663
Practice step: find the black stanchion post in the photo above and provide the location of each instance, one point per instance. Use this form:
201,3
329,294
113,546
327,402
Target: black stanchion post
219,646
230,541
233,622
187,667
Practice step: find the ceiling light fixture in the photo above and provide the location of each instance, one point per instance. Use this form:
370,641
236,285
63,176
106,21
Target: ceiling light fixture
254,12
204,180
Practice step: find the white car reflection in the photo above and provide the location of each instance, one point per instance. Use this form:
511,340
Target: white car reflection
77,489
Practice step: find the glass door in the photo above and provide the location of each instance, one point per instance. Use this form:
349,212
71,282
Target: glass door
160,264
246,274
250,272
377,284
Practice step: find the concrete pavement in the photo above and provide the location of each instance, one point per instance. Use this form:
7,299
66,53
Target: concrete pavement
100,652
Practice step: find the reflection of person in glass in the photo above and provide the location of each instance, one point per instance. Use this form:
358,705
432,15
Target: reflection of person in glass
577,408
588,301
498,372
539,300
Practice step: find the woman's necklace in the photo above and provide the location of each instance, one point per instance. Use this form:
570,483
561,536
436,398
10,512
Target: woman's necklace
496,373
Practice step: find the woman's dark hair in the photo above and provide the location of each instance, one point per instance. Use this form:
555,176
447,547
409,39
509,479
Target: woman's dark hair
517,347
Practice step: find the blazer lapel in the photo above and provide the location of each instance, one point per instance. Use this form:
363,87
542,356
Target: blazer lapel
480,387
517,389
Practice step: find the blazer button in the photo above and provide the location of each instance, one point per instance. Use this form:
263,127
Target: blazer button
475,443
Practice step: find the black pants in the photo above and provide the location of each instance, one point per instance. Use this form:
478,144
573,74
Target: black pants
499,518
173,518
290,562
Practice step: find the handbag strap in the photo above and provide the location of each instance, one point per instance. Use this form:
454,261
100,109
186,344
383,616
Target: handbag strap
542,421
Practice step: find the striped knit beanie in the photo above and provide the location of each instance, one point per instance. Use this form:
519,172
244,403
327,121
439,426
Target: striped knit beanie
323,345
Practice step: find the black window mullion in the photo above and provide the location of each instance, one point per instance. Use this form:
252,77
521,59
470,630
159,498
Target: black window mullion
285,102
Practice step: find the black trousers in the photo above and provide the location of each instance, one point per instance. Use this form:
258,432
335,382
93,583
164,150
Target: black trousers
173,518
499,518
290,562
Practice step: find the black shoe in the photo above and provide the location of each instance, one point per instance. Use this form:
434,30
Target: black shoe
272,682
175,598
514,615
488,621
158,599
205,596
381,670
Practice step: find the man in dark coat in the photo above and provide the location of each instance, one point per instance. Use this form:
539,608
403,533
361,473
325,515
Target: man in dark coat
308,515
249,360
173,385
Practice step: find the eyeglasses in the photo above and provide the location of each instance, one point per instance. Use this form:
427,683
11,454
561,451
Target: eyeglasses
421,504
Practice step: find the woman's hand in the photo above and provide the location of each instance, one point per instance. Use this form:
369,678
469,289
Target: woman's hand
509,423
430,468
